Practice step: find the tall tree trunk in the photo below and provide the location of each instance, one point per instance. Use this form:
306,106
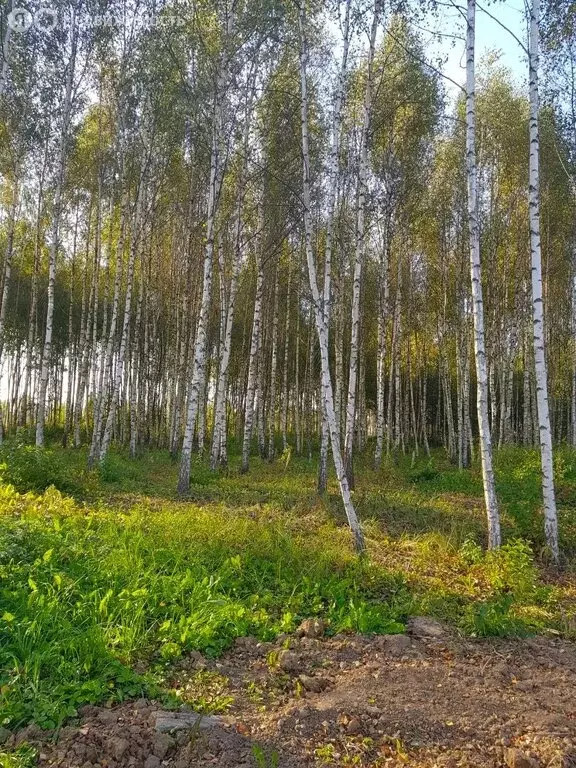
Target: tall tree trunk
5,52
106,372
359,256
285,367
383,302
273,371
333,176
198,382
84,346
219,436
321,329
137,242
8,260
54,241
253,365
545,434
71,352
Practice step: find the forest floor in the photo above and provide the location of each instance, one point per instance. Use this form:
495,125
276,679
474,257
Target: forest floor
119,601
350,700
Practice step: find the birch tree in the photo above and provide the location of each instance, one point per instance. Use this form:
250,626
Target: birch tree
219,435
359,253
333,178
494,538
55,234
321,329
539,338
253,360
197,381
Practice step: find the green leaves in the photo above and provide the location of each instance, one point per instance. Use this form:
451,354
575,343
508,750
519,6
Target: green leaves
86,594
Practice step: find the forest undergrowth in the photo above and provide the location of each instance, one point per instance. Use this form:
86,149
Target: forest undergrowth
107,578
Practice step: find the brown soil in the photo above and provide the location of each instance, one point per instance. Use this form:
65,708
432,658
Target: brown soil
352,701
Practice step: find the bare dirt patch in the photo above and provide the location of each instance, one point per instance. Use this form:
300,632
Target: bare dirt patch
425,700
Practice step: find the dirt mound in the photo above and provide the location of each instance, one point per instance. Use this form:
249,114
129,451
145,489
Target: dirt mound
426,700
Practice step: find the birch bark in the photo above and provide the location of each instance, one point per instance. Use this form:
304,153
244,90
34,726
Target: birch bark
108,355
55,235
327,391
383,303
545,434
137,237
8,260
359,255
253,365
198,381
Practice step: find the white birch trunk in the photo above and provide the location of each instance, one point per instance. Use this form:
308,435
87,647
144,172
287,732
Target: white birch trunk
545,435
71,345
54,241
108,355
383,302
273,370
218,451
359,255
285,378
30,343
8,261
573,329
83,346
124,339
5,53
198,382
253,364
317,300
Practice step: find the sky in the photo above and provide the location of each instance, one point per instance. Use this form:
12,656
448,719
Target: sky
490,36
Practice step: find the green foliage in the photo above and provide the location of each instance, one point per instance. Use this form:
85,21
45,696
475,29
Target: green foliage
23,756
89,593
28,468
205,691
513,584
85,593
425,474
263,760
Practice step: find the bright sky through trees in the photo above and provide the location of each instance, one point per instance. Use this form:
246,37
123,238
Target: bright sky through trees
491,38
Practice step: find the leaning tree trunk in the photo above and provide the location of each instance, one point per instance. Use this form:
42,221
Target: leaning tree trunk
322,331
545,434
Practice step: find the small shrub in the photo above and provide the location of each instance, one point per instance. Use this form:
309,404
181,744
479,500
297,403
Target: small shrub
29,468
493,618
424,475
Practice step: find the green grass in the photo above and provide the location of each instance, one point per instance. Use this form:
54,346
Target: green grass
106,582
